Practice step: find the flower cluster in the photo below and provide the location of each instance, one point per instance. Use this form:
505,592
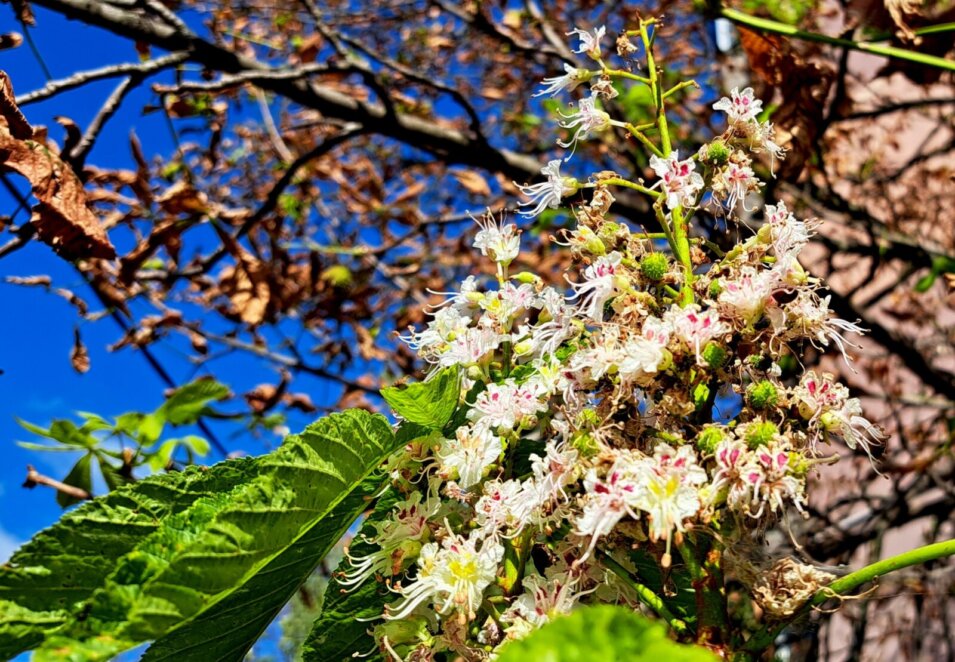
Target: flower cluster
650,410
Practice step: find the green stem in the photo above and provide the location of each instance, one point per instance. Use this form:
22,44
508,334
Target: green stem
775,27
626,183
646,596
765,637
619,73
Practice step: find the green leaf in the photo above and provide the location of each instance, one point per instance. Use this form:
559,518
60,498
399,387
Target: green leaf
430,403
198,558
63,431
187,403
63,565
342,627
81,476
228,630
602,632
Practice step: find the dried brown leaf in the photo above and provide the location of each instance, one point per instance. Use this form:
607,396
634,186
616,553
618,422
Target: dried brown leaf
79,357
32,281
10,40
61,217
473,182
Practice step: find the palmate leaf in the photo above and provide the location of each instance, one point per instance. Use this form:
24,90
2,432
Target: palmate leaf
190,567
602,632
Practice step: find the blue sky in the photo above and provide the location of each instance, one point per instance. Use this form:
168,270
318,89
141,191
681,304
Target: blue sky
38,383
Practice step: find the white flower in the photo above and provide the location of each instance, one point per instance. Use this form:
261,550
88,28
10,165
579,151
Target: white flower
589,43
816,394
600,284
470,347
555,470
733,182
670,491
447,324
469,454
542,600
587,118
737,473
396,536
808,316
642,356
678,179
505,405
745,297
572,78
505,504
499,241
452,576
855,429
695,327
788,233
607,500
547,194
776,484
741,108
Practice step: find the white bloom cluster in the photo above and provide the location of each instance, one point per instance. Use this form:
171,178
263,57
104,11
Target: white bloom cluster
642,409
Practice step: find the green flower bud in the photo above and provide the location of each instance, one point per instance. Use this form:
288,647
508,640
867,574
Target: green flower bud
760,433
528,278
405,635
762,395
718,152
715,289
709,439
799,464
591,242
714,355
475,373
588,417
654,266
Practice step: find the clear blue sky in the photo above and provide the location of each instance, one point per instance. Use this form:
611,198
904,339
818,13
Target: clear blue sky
38,383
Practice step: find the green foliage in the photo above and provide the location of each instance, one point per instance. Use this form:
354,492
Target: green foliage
139,434
430,403
201,560
602,633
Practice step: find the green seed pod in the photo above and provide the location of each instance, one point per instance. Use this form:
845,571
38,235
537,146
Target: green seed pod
654,266
714,355
760,433
762,395
709,439
717,152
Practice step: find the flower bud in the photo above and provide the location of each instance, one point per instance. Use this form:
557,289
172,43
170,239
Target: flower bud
762,395
528,278
590,242
475,373
654,266
403,636
714,355
715,289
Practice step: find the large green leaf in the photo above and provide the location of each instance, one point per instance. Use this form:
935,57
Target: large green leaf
231,627
342,627
200,557
430,403
51,576
602,632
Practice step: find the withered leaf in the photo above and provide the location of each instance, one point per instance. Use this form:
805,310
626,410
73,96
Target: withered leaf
472,181
10,40
35,281
61,217
79,357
